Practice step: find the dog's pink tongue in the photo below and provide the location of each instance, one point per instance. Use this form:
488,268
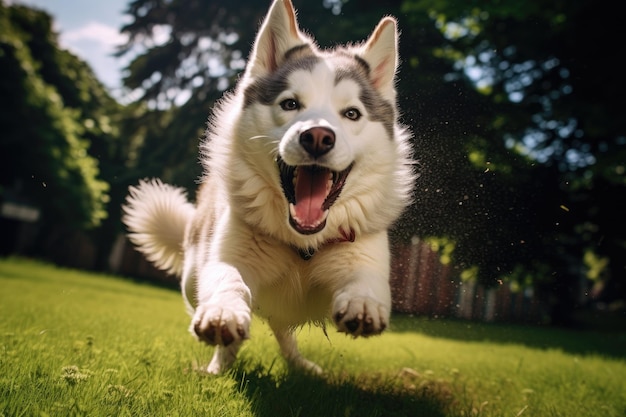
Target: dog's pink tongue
310,190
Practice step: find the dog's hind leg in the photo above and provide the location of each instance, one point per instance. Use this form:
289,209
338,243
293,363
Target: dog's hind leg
289,349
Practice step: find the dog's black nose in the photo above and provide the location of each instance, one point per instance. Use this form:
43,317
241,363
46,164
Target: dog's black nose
317,141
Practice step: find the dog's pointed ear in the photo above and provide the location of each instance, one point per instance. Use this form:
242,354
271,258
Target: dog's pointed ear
380,51
278,34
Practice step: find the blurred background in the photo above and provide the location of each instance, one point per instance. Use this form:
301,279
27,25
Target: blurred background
516,108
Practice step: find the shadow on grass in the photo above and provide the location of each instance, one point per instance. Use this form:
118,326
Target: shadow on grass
576,341
305,395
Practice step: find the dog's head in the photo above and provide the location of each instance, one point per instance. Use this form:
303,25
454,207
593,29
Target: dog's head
325,118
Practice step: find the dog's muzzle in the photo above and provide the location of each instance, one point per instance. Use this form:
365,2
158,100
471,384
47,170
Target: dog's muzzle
311,190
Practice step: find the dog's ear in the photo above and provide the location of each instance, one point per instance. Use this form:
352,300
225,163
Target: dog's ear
380,51
278,35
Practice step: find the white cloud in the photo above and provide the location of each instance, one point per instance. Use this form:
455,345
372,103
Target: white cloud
95,31
96,43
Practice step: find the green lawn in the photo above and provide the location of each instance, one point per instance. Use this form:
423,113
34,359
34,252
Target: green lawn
76,343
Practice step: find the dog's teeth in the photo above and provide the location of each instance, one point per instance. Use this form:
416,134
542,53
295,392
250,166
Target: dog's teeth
292,211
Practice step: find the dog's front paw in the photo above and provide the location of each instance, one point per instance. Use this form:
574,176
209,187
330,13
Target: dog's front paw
217,325
360,316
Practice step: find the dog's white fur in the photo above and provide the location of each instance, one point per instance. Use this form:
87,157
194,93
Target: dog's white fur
239,254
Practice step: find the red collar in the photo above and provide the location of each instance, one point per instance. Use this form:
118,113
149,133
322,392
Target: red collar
344,236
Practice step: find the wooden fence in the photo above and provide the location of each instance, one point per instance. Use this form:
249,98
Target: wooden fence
422,285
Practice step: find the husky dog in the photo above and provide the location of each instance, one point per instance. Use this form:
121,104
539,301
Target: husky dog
305,169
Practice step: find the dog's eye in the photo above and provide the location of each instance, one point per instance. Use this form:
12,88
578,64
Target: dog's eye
352,114
290,104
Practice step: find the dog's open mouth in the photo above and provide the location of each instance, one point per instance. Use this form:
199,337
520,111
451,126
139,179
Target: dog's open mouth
310,190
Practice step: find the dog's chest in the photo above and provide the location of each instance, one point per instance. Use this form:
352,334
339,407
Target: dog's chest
295,297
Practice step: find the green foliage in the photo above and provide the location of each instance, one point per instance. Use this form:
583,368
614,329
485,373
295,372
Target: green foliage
76,343
55,118
596,266
548,120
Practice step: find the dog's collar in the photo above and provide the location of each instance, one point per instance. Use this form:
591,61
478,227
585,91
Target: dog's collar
308,253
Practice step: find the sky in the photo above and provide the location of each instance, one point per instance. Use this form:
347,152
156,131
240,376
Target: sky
90,29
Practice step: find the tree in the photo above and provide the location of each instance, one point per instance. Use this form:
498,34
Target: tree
561,94
45,149
60,135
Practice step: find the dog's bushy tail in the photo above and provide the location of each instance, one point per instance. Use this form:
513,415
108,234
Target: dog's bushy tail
156,215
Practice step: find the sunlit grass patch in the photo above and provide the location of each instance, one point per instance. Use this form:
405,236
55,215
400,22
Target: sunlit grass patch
76,343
